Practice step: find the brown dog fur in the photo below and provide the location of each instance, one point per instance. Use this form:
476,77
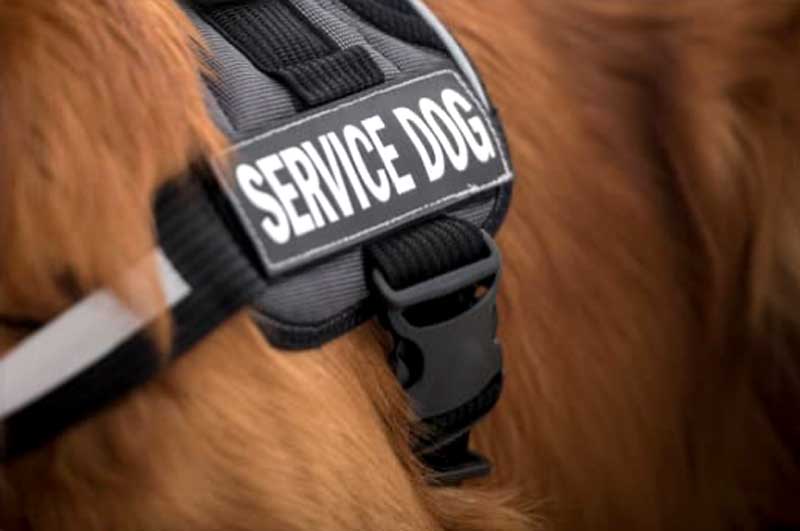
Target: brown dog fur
653,366
652,258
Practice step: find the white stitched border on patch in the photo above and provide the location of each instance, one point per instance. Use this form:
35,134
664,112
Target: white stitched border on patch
469,190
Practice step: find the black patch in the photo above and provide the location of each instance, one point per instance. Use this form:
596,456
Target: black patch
285,169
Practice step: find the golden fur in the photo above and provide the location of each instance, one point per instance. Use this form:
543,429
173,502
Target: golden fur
648,308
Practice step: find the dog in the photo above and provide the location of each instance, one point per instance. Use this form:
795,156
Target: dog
651,266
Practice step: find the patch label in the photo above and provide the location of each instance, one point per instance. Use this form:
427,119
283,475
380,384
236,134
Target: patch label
359,169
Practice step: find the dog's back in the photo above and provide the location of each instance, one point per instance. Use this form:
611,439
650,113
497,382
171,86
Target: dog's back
652,258
648,316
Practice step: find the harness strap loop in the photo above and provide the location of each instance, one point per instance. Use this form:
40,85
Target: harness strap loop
282,43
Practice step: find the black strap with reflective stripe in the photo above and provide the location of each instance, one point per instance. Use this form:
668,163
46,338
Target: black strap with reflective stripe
222,282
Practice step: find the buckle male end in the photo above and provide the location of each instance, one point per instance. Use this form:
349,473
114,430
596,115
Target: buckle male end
450,367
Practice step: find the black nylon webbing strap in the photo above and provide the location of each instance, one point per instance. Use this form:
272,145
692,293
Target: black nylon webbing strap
283,44
222,283
427,251
201,249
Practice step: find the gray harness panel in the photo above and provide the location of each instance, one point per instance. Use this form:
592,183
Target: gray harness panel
322,301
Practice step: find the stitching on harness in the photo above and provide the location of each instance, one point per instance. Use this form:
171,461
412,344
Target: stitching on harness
470,190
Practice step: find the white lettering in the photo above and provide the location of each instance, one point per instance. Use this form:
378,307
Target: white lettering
476,134
458,154
324,179
380,189
331,174
388,154
307,180
287,193
276,225
341,152
433,162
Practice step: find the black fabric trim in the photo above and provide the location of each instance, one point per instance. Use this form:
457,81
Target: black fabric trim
502,203
504,194
283,44
397,18
289,336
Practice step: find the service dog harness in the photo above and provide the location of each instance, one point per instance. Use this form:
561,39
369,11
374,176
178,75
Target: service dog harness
367,173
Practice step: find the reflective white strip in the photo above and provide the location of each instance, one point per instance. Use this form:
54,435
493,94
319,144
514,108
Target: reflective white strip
455,50
77,339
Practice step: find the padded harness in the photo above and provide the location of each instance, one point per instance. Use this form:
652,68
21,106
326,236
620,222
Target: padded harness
367,174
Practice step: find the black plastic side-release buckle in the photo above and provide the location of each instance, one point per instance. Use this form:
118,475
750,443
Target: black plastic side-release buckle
448,359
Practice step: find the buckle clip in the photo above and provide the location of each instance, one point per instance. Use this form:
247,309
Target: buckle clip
455,463
448,358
